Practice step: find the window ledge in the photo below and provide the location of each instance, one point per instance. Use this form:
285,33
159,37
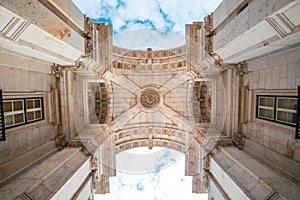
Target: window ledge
17,129
282,127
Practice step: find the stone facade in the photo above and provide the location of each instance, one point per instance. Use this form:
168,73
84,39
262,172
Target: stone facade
201,99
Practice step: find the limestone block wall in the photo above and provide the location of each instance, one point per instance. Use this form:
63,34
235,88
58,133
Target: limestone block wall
243,176
36,13
64,175
21,78
231,18
277,74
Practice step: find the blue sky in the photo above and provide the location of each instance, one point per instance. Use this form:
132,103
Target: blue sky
167,182
168,15
161,18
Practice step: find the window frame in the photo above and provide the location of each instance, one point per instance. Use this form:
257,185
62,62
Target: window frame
25,112
265,107
275,109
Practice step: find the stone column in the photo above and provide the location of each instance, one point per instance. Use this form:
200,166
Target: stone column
192,32
103,45
107,154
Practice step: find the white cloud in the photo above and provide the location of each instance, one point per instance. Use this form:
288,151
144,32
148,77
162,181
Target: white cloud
166,15
142,38
171,15
166,184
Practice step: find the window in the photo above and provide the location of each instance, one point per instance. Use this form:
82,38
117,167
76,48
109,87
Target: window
33,109
22,111
278,109
286,110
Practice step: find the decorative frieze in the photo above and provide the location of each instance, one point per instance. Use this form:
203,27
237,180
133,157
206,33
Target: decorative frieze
208,34
149,137
208,41
208,26
88,35
139,54
178,63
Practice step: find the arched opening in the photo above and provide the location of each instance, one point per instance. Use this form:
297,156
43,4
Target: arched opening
163,177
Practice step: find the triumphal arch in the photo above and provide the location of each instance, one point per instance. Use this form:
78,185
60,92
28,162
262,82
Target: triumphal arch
226,97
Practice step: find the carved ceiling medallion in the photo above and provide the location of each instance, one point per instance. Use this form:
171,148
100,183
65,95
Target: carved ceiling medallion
150,98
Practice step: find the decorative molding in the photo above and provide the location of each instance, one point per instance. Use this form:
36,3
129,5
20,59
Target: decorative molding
224,143
149,137
58,69
60,142
239,140
241,67
91,65
94,172
201,102
143,65
208,26
281,24
199,137
88,35
208,34
101,103
208,41
14,28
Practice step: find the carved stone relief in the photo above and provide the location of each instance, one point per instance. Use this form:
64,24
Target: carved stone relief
150,98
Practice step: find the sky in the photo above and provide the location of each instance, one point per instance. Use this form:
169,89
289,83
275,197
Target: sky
164,15
166,182
156,174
